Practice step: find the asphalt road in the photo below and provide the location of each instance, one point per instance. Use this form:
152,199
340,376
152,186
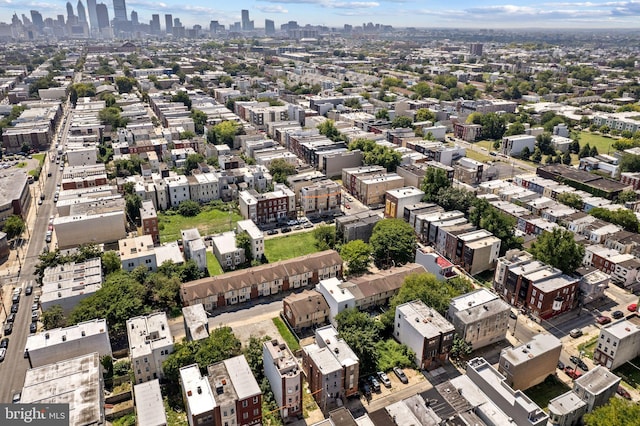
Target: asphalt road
14,367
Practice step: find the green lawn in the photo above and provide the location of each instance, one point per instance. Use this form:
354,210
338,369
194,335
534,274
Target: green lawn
588,347
213,265
39,157
286,334
488,145
478,156
602,143
289,246
544,392
630,373
209,221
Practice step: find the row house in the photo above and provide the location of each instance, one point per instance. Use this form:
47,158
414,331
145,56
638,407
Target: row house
305,310
593,283
351,176
264,280
357,226
282,370
203,187
414,174
411,212
447,242
397,199
618,343
623,268
534,225
331,367
320,197
624,242
631,179
277,205
434,263
530,363
371,190
426,224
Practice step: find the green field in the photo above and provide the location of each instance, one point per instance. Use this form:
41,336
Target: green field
478,156
286,334
544,392
602,143
213,265
209,221
289,246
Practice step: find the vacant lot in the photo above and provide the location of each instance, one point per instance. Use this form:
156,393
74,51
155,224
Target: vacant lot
209,221
293,245
213,265
544,392
602,143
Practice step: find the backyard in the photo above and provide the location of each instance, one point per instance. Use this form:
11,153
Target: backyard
290,246
209,221
213,265
630,373
544,392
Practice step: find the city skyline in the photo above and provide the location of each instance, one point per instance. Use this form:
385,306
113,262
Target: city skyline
398,13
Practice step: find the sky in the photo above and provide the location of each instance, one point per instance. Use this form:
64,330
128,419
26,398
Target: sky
399,13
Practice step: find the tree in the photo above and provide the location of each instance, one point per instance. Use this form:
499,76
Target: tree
225,132
451,198
434,180
516,128
630,163
110,262
627,197
183,97
525,153
585,151
425,114
125,84
280,169
422,89
571,199
402,122
393,243
372,153
493,125
536,157
617,412
460,348
621,217
566,158
189,208
13,226
329,129
593,151
192,162
382,114
574,147
361,333
111,116
559,249
243,241
325,237
53,318
357,255
543,141
133,203
199,120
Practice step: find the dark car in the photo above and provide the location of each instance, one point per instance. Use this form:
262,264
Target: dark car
582,365
11,317
15,298
574,359
375,385
602,320
286,229
8,328
623,392
14,308
513,315
617,314
272,232
403,377
28,290
561,365
366,389
33,327
4,343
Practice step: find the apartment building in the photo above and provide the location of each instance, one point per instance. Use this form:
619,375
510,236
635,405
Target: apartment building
596,387
427,333
194,248
513,145
255,236
434,263
330,367
320,197
618,342
530,363
269,207
305,310
480,318
285,377
358,226
140,251
149,404
67,284
397,199
149,219
226,250
252,283
150,344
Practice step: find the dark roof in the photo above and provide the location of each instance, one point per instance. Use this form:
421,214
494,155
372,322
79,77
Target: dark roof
306,302
342,417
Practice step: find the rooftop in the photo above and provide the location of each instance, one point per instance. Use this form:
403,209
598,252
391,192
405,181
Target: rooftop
565,404
58,336
197,391
149,404
426,320
195,318
282,357
148,332
596,381
540,344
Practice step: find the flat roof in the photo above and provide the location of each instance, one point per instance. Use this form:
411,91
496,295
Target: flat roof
197,391
540,344
148,332
623,328
566,403
244,382
149,404
426,320
57,336
598,380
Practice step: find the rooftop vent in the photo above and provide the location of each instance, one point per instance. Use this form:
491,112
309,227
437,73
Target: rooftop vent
199,390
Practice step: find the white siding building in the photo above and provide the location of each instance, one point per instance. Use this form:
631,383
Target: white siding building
338,299
150,344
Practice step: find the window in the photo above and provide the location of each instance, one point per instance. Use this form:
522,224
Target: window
256,412
245,403
245,416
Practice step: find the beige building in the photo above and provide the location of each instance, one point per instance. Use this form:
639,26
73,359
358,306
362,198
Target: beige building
255,235
480,318
371,191
285,377
320,197
150,344
530,363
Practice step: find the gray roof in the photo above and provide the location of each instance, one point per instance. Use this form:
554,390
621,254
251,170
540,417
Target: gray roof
566,403
597,380
149,404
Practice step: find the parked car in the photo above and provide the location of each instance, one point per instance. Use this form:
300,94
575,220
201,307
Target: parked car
602,320
574,359
16,397
272,232
617,314
34,307
623,392
560,365
403,377
297,228
33,327
3,352
14,308
632,307
581,364
36,298
11,317
513,315
286,229
15,298
4,343
292,222
384,378
8,328
28,290
366,389
308,225
574,374
34,316
575,333
375,385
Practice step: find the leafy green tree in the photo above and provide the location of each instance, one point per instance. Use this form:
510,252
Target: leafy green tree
280,169
111,116
621,217
187,134
162,290
585,151
559,249
493,126
543,141
14,226
536,157
566,158
357,255
571,199
329,129
574,147
434,180
81,90
110,262
192,162
325,237
377,154
630,163
199,120
617,412
225,132
460,348
402,122
393,354
133,204
593,151
243,241
382,114
125,84
525,153
189,208
361,333
627,197
53,317
183,97
393,243
502,226
516,128
451,198
422,90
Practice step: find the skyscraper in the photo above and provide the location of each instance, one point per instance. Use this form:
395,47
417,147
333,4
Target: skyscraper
269,27
168,23
70,14
102,13
93,15
82,15
36,18
134,18
247,24
154,24
120,10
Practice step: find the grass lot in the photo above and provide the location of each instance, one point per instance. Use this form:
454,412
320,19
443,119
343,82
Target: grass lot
478,156
289,246
544,392
40,158
486,144
213,265
174,417
602,143
588,347
209,221
286,334
630,373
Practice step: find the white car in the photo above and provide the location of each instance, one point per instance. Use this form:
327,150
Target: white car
3,352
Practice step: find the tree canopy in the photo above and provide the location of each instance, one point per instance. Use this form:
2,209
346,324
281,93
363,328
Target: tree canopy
357,255
434,180
393,242
325,237
621,217
374,154
329,129
225,132
13,226
617,412
558,249
280,169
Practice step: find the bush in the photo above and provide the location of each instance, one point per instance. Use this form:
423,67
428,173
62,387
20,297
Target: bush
189,208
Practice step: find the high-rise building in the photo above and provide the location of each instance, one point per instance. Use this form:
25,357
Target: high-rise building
102,14
61,20
154,24
120,10
247,24
93,15
168,22
70,14
269,27
82,14
36,18
215,27
134,18
476,49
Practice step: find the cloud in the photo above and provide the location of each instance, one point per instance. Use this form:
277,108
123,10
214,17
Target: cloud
276,8
331,4
631,8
